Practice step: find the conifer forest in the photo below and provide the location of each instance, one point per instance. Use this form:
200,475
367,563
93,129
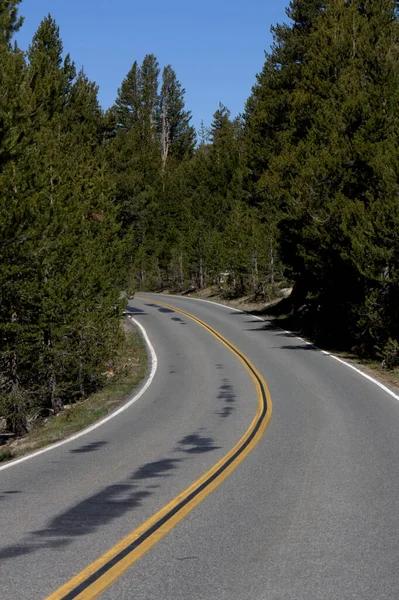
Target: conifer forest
301,189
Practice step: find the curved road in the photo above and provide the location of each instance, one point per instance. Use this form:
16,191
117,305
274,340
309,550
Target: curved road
312,513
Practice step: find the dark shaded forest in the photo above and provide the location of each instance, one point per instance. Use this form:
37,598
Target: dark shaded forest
300,189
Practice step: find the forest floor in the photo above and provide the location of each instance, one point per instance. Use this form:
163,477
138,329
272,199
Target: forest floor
130,368
257,307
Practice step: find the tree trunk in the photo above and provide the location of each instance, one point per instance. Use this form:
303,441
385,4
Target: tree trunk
165,135
201,274
16,415
56,403
255,278
271,262
181,269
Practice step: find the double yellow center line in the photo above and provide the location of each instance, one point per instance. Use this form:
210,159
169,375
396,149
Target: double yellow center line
98,576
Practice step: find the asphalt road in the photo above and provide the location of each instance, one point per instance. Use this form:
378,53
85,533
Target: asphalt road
311,513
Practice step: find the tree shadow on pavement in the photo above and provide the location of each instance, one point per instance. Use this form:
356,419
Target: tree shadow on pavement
108,504
196,444
161,309
228,395
88,448
297,347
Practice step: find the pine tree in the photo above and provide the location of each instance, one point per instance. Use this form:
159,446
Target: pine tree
13,213
148,85
79,239
128,103
203,134
225,154
135,159
268,109
177,135
51,75
12,81
213,185
371,213
10,21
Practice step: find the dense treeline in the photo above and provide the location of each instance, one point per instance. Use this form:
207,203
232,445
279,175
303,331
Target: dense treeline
184,206
303,187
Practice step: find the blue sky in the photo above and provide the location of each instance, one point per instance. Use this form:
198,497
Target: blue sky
216,48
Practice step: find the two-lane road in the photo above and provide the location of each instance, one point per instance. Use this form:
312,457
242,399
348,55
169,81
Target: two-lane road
311,513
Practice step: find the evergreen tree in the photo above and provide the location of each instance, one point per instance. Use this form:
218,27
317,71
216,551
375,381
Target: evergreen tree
177,135
77,243
203,134
268,109
10,21
128,103
13,87
134,157
148,85
51,75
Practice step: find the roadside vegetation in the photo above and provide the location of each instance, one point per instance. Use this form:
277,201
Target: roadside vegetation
301,191
128,371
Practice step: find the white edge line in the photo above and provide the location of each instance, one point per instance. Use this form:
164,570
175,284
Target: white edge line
217,304
380,385
375,381
154,365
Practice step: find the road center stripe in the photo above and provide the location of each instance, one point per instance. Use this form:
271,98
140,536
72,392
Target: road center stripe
98,576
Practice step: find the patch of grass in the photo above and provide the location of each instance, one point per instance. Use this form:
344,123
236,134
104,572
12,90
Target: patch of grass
130,369
5,454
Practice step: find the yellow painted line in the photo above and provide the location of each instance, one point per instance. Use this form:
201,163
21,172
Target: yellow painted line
98,576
